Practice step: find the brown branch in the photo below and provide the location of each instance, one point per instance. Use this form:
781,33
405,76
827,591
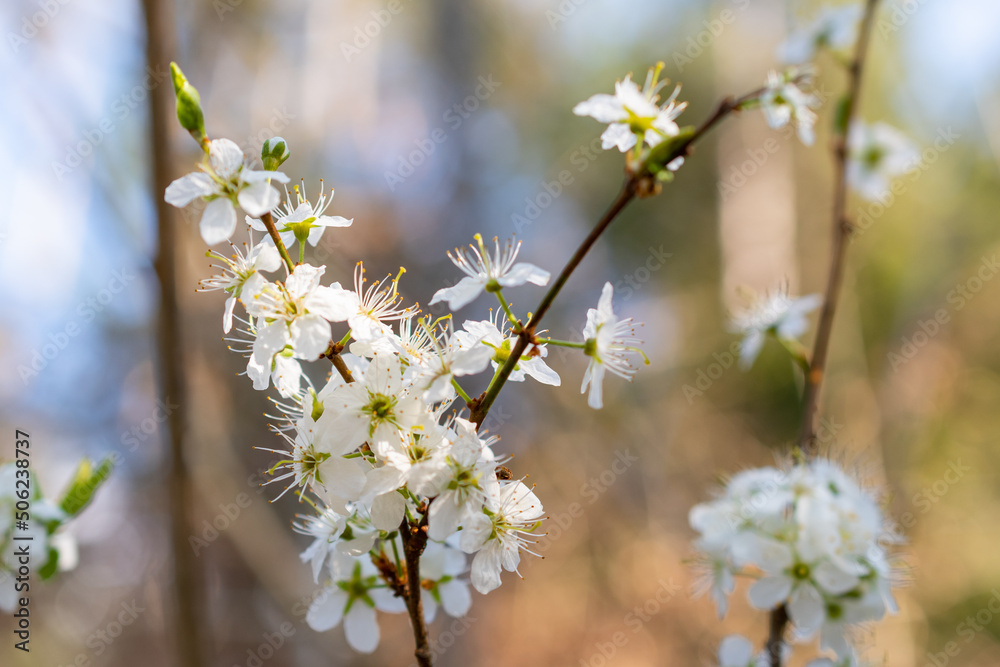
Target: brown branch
842,228
636,184
333,354
776,635
414,540
186,618
278,243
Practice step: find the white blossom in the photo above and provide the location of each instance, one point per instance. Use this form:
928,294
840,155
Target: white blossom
225,182
783,102
775,313
296,314
737,651
240,277
608,342
813,540
494,334
488,271
499,534
834,28
440,569
353,594
634,113
302,219
878,153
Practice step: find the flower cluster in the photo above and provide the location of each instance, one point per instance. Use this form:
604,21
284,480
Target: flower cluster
814,541
384,446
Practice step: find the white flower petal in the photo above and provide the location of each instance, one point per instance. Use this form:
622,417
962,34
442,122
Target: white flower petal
326,610
361,628
186,189
218,221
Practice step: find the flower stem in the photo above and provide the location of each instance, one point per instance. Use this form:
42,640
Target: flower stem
842,228
560,343
278,243
510,315
461,392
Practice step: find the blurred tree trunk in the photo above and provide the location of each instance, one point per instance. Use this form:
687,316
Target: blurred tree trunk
186,617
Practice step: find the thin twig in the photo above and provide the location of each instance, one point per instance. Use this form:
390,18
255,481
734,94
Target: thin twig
776,635
842,228
481,406
278,243
414,540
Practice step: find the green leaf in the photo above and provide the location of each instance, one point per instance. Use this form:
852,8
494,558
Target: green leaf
85,483
50,566
664,152
843,115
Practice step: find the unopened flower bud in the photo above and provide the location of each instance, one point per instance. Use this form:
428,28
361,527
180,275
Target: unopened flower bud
188,105
273,153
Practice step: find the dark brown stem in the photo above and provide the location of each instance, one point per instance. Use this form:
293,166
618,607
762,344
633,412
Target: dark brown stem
278,243
776,635
186,617
414,540
842,228
635,184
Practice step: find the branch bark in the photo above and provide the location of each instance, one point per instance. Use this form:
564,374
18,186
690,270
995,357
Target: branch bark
633,185
842,228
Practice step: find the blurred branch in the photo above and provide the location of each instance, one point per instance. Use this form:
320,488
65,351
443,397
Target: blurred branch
186,618
842,228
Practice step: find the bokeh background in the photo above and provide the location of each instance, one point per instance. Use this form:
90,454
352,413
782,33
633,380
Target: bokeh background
357,90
